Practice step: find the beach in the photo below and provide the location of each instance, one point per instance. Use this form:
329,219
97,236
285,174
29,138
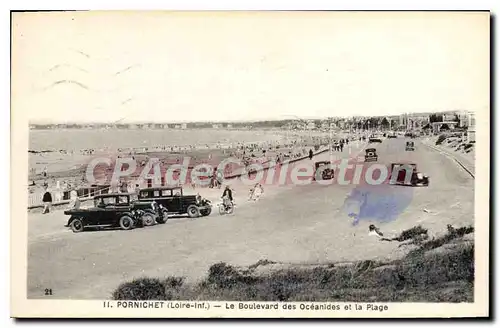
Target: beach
61,163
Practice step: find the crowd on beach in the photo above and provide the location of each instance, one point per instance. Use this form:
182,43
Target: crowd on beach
293,147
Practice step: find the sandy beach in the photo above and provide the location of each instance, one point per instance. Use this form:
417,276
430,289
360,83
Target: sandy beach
62,164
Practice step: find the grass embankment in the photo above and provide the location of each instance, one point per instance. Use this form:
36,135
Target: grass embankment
437,270
455,142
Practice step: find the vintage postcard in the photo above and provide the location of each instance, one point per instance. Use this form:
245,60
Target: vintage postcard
250,164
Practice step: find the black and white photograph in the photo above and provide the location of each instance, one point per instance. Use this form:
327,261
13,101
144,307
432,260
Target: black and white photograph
250,164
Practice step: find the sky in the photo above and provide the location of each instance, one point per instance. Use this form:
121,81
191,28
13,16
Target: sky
214,66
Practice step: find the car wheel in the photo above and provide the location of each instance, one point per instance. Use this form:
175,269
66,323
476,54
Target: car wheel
76,225
126,222
193,211
206,212
148,219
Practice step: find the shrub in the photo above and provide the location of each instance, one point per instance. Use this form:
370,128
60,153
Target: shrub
225,276
222,275
467,146
424,270
140,289
420,276
440,241
440,139
412,233
261,262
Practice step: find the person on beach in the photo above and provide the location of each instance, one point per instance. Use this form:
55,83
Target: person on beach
74,200
47,201
123,187
311,154
227,197
130,187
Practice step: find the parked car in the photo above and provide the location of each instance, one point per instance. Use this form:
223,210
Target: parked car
173,201
116,210
392,136
374,140
371,155
327,173
408,175
410,146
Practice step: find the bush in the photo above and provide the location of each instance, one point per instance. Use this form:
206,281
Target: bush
440,139
440,241
412,233
150,289
141,289
261,262
420,276
225,276
434,269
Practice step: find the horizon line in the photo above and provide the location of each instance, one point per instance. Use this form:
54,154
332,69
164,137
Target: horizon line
277,119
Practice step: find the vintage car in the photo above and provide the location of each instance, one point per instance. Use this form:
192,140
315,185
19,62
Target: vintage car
410,135
173,201
410,146
327,173
116,210
374,140
408,175
371,155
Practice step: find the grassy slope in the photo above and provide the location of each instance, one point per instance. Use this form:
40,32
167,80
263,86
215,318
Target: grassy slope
437,270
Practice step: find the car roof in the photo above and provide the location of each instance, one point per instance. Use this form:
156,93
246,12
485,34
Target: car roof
410,164
112,195
159,188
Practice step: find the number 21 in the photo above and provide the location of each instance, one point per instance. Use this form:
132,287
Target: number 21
48,291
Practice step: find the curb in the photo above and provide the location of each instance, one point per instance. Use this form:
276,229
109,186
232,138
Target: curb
449,155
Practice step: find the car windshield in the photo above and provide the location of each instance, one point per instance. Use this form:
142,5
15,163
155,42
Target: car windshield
104,201
123,200
399,166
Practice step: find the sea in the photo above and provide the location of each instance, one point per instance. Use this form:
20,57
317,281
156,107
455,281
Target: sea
80,139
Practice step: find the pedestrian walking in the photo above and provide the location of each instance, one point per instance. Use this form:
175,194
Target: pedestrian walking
123,187
47,201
